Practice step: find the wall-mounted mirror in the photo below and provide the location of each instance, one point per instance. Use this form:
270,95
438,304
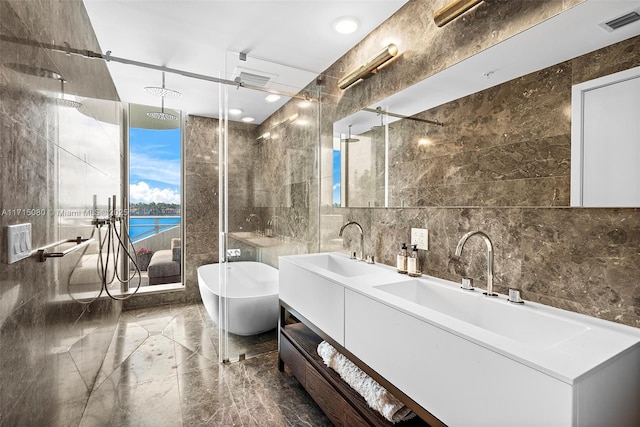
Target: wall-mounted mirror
505,138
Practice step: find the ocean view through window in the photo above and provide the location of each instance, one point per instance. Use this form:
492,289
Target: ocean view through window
155,148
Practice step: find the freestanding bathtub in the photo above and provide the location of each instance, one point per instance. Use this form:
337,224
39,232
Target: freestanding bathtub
251,297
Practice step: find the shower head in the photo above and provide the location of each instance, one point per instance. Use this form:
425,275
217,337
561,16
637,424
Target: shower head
68,103
348,139
163,91
161,115
64,101
33,70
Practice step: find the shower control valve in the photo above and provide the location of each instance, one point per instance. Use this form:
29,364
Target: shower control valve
233,252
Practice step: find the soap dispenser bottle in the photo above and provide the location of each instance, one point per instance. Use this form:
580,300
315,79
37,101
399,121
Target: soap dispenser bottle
401,259
412,263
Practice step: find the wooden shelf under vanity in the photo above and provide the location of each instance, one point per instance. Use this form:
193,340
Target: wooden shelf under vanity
298,343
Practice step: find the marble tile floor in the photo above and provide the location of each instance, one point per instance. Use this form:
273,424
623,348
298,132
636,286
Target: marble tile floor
161,369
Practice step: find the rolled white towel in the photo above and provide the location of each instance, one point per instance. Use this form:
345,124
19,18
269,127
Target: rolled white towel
376,396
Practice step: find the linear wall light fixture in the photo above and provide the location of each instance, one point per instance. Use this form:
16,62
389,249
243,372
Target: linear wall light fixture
452,11
370,67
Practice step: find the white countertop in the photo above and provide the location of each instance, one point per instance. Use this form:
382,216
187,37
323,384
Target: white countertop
589,343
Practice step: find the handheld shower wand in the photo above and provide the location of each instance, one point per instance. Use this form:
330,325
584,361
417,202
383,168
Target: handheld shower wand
115,242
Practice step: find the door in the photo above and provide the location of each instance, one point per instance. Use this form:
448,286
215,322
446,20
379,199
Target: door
606,141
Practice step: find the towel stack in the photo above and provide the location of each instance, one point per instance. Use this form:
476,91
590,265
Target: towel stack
376,396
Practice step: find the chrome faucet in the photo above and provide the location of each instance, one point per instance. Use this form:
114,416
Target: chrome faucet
251,217
361,236
272,226
487,240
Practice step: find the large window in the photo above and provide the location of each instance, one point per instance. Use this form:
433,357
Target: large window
154,194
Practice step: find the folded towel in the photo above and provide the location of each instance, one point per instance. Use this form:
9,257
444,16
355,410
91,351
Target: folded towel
376,396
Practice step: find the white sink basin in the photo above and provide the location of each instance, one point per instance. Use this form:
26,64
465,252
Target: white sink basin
339,265
529,327
583,371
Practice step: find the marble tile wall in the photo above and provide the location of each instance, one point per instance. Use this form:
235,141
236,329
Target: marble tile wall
52,160
201,199
583,260
578,259
201,191
287,172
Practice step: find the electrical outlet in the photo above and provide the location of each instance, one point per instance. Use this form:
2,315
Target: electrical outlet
420,237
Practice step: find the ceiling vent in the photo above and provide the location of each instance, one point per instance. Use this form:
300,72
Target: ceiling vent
621,21
253,77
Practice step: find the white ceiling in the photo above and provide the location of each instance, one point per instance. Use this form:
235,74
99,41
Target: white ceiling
291,40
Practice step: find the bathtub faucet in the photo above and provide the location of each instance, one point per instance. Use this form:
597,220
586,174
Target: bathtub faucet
487,241
251,217
361,236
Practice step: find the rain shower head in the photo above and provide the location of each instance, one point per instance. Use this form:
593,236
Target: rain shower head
348,139
162,115
64,101
163,92
68,103
31,70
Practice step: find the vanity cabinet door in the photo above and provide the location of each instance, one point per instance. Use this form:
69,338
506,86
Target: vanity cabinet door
319,300
434,366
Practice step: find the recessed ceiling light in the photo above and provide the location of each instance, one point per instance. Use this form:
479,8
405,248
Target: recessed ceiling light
345,25
272,98
248,119
235,111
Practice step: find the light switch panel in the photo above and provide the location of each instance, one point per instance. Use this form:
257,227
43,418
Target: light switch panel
420,237
18,242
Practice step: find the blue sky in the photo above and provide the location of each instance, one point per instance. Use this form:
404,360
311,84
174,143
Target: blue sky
336,177
154,165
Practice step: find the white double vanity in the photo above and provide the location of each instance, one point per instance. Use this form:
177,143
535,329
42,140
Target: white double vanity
465,359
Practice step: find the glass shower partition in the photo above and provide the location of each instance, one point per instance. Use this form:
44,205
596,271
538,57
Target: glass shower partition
268,192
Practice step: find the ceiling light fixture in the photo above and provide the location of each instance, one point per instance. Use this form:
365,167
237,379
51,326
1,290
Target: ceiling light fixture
370,67
163,91
345,25
248,119
451,11
235,111
272,97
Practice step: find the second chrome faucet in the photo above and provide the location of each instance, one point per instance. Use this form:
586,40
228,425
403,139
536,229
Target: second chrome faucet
487,241
361,235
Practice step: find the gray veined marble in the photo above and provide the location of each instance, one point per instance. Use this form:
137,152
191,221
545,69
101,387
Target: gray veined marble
161,369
